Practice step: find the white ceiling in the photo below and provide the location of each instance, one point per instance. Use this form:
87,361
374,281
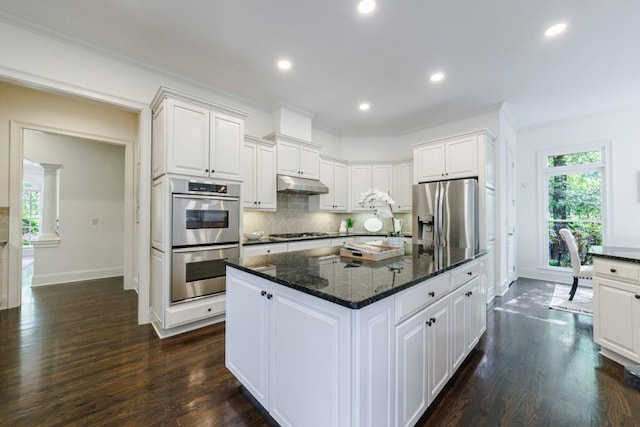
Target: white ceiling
492,51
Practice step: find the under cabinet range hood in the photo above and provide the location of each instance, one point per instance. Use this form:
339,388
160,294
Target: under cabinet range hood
297,185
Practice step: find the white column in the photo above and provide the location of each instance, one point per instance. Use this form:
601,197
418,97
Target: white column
49,206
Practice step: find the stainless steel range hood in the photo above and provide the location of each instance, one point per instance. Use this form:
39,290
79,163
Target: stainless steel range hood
296,185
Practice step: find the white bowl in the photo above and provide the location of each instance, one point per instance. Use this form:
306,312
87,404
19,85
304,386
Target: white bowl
256,235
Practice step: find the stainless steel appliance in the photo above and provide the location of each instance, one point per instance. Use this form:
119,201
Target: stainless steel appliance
445,213
205,232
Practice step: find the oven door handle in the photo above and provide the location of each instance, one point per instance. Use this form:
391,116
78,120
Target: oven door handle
198,196
204,248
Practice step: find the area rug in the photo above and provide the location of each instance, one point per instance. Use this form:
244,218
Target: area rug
582,302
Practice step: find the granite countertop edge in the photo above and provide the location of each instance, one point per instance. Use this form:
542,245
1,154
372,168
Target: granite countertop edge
616,253
333,235
355,305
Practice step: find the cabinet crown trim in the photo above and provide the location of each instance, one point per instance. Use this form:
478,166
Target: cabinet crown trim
476,132
165,92
286,138
257,140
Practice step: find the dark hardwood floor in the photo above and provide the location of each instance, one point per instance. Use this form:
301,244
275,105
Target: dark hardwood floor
75,355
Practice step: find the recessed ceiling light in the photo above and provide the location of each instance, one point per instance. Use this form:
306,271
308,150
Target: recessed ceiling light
555,30
284,64
437,77
366,6
365,106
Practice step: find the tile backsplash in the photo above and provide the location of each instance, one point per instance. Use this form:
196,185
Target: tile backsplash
293,216
4,223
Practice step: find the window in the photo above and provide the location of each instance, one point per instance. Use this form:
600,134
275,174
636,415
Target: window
574,196
30,213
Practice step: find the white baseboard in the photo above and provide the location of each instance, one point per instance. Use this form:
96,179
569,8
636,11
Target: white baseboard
75,276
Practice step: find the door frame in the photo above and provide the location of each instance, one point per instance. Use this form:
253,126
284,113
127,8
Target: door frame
140,172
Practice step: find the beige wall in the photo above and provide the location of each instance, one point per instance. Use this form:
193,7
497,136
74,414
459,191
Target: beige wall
57,111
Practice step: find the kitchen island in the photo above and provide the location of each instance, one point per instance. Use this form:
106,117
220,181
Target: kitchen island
616,302
320,339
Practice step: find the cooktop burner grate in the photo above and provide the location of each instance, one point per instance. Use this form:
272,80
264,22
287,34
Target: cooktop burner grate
288,236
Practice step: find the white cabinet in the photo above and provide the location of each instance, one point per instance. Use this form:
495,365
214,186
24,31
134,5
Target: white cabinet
616,316
295,383
259,175
194,137
403,187
422,360
364,177
456,158
334,175
466,307
296,157
264,249
160,210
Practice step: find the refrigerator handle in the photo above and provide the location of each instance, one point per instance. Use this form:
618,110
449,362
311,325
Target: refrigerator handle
437,232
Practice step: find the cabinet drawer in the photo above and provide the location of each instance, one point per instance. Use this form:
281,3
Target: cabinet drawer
188,312
341,241
617,269
462,275
308,244
264,249
419,296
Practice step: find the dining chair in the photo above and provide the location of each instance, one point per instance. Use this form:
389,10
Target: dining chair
579,271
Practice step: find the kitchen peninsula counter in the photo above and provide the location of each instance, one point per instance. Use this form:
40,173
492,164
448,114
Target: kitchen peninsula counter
350,282
320,339
331,235
616,253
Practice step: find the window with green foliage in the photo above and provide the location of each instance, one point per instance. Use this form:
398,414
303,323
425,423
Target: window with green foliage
574,200
30,213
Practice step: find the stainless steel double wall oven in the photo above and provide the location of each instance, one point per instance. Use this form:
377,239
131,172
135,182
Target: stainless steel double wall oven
205,232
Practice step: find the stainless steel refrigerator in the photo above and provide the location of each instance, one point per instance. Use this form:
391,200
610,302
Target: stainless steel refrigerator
445,213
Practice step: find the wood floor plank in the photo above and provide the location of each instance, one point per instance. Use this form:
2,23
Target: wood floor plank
76,356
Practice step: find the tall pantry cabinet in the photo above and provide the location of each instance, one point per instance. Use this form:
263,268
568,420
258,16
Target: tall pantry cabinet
191,138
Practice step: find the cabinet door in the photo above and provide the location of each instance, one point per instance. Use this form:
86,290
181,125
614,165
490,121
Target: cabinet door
266,178
438,348
309,162
227,134
430,163
382,177
459,331
247,334
340,198
249,166
403,187
326,177
360,182
159,142
188,139
159,195
473,317
462,158
617,317
412,396
310,384
288,158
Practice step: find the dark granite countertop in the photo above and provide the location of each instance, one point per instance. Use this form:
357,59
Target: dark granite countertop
349,282
333,235
616,253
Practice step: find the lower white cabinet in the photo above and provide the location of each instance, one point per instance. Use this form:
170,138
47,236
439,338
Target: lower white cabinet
616,309
423,364
310,362
298,384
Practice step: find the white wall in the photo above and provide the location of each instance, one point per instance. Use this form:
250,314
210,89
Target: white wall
622,128
91,183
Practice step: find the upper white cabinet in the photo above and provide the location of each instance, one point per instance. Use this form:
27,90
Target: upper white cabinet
364,177
296,157
334,175
403,187
195,137
259,174
456,158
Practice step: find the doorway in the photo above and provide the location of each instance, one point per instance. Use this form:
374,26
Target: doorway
73,216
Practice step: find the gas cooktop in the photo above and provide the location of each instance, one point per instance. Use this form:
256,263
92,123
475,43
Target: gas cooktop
293,236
